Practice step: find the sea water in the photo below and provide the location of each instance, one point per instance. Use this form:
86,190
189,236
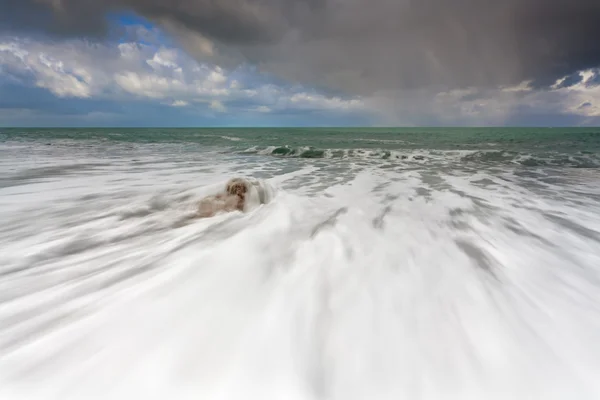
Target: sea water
388,264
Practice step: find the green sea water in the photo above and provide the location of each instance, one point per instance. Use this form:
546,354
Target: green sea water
431,138
577,147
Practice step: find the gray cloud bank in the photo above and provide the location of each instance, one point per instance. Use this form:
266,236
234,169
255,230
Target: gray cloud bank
359,46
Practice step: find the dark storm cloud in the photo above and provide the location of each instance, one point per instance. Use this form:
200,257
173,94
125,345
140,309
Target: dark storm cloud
362,46
49,16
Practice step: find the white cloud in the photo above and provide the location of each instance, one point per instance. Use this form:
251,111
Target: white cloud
263,109
154,73
583,98
148,85
488,106
318,101
216,77
521,87
164,58
126,71
217,106
180,103
50,73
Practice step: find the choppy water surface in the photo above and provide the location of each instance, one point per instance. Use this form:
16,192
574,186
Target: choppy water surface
434,268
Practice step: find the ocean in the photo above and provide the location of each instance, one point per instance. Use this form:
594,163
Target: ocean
407,263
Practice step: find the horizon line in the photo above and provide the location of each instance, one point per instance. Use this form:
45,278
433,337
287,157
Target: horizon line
307,127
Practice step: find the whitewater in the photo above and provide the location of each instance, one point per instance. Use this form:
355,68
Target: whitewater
417,277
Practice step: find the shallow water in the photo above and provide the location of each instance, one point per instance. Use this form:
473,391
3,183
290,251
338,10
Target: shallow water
448,274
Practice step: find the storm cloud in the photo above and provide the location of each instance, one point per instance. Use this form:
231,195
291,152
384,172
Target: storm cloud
359,47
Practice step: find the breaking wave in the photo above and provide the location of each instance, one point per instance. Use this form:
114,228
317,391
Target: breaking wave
552,159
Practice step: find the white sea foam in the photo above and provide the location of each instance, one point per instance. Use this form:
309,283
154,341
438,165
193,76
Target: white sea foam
232,138
354,281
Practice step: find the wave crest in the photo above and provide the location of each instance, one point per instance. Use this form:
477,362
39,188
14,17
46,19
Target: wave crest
576,160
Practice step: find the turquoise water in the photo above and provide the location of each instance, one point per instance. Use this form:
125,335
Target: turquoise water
515,139
571,147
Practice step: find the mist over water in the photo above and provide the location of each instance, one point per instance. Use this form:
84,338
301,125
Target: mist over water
379,270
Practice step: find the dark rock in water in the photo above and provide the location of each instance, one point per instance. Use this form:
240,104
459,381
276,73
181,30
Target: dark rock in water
404,157
418,158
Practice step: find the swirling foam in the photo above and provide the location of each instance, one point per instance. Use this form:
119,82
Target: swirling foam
355,280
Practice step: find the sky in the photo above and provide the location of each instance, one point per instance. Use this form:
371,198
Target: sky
299,63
